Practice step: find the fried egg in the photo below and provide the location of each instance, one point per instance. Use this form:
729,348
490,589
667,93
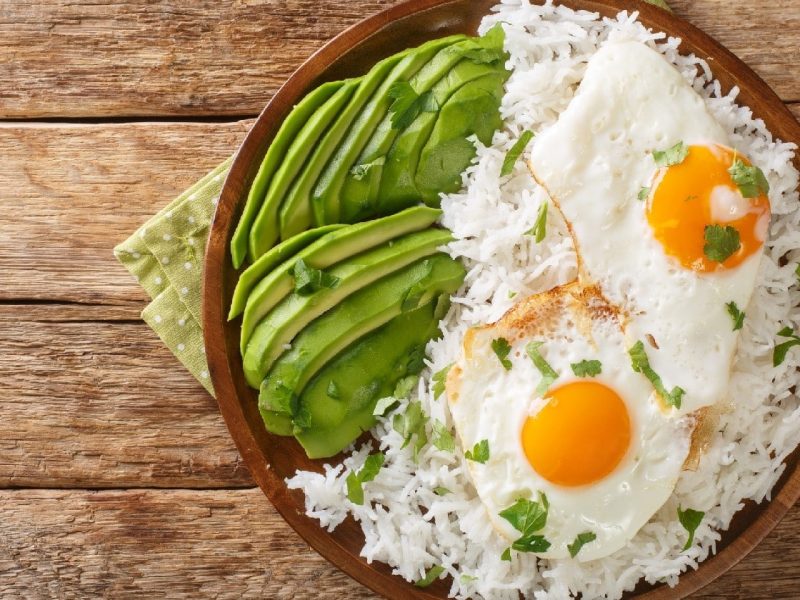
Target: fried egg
640,169
594,445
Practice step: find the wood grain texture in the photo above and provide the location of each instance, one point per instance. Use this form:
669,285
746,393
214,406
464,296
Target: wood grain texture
84,189
94,399
227,544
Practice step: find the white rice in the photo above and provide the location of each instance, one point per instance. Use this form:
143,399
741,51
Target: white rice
409,527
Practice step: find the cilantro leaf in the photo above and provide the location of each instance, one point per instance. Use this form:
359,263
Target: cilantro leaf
580,541
797,272
404,387
442,438
641,364
531,543
360,171
333,390
548,374
750,180
308,280
439,380
441,491
643,194
486,49
355,493
539,229
736,314
587,368
502,349
467,578
721,242
410,423
372,465
690,519
479,452
782,349
407,104
671,156
527,516
506,555
515,152
382,405
430,576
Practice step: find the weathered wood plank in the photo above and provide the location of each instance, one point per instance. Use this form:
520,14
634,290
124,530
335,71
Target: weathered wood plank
229,544
103,404
122,58
81,189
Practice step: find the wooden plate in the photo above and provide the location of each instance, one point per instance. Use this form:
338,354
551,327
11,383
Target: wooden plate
272,458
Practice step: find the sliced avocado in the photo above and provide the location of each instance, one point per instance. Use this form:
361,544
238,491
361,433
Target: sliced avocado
327,250
365,372
265,230
279,423
295,210
356,316
472,110
278,254
286,134
326,196
295,311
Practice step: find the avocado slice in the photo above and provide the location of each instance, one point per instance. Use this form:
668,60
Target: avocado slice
264,231
325,198
278,254
365,372
295,311
327,250
356,316
286,134
472,110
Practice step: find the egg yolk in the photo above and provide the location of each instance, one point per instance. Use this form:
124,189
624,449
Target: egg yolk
697,192
579,436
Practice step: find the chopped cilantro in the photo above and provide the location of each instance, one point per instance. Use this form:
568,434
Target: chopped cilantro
502,349
643,193
690,519
407,104
580,541
548,374
430,576
531,543
479,452
587,368
372,465
641,364
442,438
360,171
736,314
382,405
539,229
467,578
439,380
797,272
515,152
506,555
441,491
750,180
333,390
721,242
486,49
782,349
512,293
528,517
671,156
308,280
404,387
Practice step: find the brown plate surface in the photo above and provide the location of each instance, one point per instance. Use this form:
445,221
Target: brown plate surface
272,458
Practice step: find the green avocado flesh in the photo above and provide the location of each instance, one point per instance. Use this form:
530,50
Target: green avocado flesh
295,311
354,317
327,250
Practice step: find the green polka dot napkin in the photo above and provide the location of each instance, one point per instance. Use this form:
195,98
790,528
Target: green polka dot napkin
166,257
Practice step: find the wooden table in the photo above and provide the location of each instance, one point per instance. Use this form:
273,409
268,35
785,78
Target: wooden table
117,473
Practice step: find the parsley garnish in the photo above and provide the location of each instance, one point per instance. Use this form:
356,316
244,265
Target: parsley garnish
411,423
539,229
430,576
486,49
750,180
372,465
407,104
467,578
441,491
506,555
502,349
479,452
548,374
736,314
514,153
528,517
671,156
403,387
308,280
797,272
587,368
721,242
333,390
382,405
779,354
442,438
641,364
690,519
643,194
360,171
580,541
439,380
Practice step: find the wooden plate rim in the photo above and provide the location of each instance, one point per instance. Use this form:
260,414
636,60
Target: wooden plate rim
755,93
